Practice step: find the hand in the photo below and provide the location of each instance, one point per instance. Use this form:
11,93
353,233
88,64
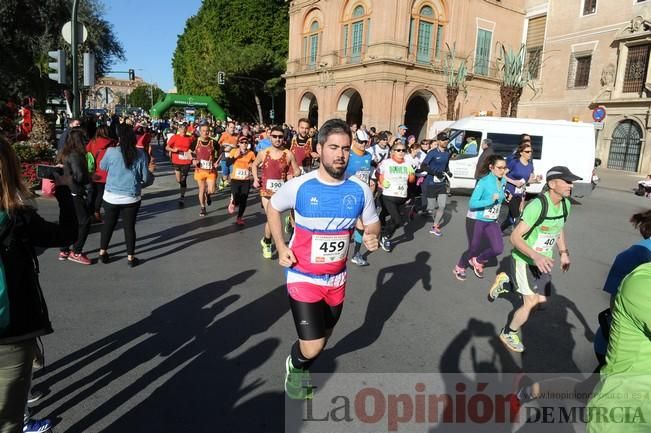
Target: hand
543,263
521,183
565,262
496,197
370,241
286,256
256,184
449,173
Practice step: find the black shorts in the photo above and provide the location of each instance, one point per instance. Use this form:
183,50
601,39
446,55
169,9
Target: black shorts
184,169
314,319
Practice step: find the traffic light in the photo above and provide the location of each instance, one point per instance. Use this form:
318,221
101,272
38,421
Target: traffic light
221,77
58,66
89,69
132,74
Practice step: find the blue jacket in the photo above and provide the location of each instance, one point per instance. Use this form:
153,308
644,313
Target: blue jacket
482,206
436,163
120,179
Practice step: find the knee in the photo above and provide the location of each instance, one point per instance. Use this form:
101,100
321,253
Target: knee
531,301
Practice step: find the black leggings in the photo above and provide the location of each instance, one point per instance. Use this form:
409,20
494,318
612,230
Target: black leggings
83,223
514,212
240,190
98,195
111,214
314,319
391,207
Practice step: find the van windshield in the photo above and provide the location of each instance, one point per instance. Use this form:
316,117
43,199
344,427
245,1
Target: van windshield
464,143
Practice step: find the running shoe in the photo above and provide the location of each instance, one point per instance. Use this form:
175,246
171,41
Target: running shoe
221,184
239,221
459,272
498,286
385,243
298,385
358,259
478,268
266,249
436,230
203,212
64,255
231,207
512,341
37,425
80,258
181,201
34,396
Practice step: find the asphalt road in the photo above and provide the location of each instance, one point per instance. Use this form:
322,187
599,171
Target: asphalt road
194,339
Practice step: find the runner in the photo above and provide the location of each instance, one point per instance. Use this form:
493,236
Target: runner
227,142
436,165
481,220
204,171
240,159
533,239
359,165
327,206
395,175
276,163
301,148
180,146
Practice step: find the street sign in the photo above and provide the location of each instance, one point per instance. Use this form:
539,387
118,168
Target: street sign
82,33
599,113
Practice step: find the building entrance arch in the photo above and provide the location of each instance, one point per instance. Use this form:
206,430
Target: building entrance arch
351,103
310,106
625,146
174,100
421,106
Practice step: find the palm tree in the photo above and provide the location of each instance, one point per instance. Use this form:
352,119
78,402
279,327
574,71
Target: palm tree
515,76
456,78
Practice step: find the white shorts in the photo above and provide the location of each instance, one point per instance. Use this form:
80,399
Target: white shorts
529,280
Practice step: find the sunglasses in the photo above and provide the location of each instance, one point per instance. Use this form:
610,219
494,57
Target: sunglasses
526,151
399,150
277,136
500,167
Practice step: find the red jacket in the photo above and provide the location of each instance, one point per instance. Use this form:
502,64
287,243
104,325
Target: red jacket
98,146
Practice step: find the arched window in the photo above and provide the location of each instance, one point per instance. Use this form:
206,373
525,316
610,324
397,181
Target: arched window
311,44
425,34
356,33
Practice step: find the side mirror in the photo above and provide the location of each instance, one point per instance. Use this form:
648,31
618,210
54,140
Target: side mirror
597,162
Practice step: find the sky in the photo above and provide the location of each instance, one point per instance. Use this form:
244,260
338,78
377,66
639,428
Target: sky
148,30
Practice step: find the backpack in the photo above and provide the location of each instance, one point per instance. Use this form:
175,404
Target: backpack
543,214
90,161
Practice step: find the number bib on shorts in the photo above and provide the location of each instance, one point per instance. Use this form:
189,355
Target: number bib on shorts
241,173
329,248
274,185
205,164
545,242
493,212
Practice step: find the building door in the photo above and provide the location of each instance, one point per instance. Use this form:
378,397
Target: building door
416,114
355,109
625,146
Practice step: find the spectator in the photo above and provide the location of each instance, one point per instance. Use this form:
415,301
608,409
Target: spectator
72,124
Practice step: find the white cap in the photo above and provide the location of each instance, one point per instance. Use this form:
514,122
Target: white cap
361,135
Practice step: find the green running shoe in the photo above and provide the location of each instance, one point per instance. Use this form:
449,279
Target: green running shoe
298,385
266,249
512,341
498,286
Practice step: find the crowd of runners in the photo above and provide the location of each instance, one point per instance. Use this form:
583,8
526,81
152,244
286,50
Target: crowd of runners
326,195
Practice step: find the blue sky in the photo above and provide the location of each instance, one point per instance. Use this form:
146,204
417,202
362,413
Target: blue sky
148,30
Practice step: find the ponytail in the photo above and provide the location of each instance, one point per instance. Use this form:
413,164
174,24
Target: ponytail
642,222
491,160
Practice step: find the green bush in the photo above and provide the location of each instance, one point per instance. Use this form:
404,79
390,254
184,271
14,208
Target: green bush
32,154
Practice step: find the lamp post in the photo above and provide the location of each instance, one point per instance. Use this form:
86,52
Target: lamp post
73,43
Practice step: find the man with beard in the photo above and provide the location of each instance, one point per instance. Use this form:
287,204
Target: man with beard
326,206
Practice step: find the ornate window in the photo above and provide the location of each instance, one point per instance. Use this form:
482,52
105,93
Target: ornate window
637,63
425,35
311,44
356,31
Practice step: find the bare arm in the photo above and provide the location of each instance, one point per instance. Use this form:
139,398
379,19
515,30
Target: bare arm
294,164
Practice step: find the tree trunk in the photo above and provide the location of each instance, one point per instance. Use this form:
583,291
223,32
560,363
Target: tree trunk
515,100
452,92
505,98
257,103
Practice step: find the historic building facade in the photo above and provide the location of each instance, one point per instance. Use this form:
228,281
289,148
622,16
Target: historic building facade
594,53
379,62
108,91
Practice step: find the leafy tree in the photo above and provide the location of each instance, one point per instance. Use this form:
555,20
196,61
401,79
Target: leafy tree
244,38
31,28
143,95
455,78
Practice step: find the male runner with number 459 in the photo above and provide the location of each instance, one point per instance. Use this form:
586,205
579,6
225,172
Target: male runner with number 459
534,238
326,206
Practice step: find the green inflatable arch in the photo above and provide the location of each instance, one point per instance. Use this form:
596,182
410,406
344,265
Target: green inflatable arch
174,100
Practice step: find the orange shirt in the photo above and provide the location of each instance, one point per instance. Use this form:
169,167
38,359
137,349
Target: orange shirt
229,140
241,169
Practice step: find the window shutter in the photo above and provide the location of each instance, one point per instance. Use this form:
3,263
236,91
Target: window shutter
571,71
536,32
483,51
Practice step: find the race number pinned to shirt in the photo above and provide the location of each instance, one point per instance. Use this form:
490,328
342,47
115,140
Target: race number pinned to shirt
364,175
545,242
185,155
493,212
241,173
329,248
205,164
274,185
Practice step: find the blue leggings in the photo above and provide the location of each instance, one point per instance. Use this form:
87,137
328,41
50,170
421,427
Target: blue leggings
480,230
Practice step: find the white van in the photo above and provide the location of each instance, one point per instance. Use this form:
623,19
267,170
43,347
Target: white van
554,142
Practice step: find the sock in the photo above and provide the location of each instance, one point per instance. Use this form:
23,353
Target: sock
267,240
298,359
357,248
508,330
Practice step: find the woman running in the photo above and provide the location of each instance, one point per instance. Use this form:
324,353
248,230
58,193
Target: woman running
481,220
519,175
394,177
240,160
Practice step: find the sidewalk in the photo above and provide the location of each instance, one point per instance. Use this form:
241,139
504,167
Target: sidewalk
618,180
